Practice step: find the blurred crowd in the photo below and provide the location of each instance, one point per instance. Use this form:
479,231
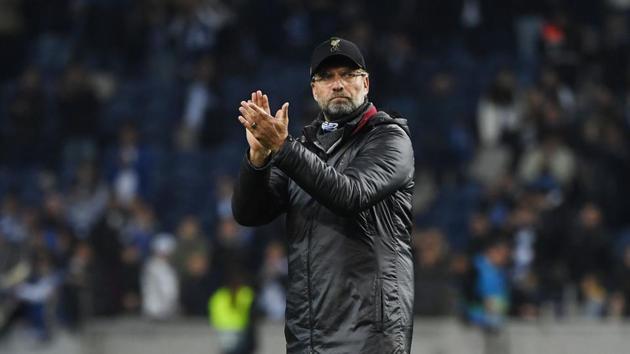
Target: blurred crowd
119,144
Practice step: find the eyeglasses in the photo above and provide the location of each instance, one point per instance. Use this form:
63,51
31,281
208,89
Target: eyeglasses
329,77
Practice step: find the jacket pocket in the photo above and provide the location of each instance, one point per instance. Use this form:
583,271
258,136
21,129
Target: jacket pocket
378,305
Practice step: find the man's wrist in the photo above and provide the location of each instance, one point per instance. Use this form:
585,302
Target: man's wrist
258,158
284,141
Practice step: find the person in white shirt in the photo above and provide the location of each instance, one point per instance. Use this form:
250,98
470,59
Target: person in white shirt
160,286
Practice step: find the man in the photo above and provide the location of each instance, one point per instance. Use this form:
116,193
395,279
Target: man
487,293
346,187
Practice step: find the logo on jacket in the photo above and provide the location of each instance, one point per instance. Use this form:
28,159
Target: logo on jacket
329,126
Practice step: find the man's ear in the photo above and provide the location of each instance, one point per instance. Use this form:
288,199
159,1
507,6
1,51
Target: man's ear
366,83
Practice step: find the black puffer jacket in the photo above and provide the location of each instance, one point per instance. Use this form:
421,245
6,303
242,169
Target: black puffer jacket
349,221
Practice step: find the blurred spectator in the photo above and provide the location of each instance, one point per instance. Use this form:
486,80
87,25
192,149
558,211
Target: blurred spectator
557,92
97,40
499,129
527,24
615,53
231,244
12,38
434,293
224,187
87,198
160,285
274,275
498,117
140,228
198,102
190,240
440,110
620,299
74,297
425,190
602,172
196,25
559,39
37,294
15,269
525,297
588,250
488,298
552,163
298,27
54,234
230,312
128,280
106,240
499,124
479,231
12,228
497,202
24,136
196,285
79,115
594,296
399,64
202,120
192,263
127,166
488,301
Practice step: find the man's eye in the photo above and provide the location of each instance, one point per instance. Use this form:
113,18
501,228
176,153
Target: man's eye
326,77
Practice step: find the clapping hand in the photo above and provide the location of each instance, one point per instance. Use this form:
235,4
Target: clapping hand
265,133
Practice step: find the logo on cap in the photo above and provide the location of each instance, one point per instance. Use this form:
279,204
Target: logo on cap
334,44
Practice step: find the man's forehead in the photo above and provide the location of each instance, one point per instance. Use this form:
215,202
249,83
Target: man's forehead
336,68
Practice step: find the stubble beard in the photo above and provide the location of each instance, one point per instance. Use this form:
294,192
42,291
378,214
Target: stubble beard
334,109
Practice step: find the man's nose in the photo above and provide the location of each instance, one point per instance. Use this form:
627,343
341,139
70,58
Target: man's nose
337,85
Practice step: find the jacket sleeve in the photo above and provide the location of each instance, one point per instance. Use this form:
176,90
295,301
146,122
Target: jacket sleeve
260,194
383,165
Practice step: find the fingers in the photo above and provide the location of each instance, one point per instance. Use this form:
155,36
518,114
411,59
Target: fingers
265,104
283,113
253,117
285,109
261,100
247,111
259,110
252,108
254,111
255,99
247,124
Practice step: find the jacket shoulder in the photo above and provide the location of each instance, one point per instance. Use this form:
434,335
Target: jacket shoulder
389,122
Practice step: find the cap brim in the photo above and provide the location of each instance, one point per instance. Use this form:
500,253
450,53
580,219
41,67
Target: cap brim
338,59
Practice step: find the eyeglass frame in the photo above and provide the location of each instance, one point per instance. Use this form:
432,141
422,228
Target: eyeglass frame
346,76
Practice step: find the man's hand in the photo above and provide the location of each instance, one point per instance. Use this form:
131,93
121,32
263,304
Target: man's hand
265,133
257,153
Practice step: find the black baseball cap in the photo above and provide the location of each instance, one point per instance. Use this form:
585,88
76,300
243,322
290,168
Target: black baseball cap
336,47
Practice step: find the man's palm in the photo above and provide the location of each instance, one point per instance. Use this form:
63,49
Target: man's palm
254,144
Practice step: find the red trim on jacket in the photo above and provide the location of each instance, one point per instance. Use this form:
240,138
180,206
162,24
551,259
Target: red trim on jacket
366,117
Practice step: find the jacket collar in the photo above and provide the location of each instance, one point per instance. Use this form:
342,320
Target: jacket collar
360,119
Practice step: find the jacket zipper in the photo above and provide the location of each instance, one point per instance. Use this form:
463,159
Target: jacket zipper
324,156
